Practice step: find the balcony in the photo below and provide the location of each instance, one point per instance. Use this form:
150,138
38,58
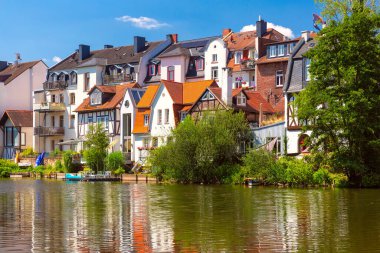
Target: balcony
49,131
248,64
49,107
118,78
55,85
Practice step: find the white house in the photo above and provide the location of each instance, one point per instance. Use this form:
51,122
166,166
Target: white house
17,83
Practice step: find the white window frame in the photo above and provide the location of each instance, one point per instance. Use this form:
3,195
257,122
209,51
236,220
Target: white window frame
167,116
96,97
171,69
152,69
183,116
238,57
103,120
200,62
279,78
281,50
146,119
159,116
241,99
213,71
290,48
214,58
307,69
273,51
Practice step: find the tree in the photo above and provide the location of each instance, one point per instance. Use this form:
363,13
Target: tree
96,146
343,98
203,151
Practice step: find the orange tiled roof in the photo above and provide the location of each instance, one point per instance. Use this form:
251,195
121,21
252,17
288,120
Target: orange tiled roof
147,98
255,99
280,106
139,127
113,102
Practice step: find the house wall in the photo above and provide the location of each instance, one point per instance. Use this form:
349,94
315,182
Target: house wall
138,143
261,134
180,68
247,78
266,80
218,47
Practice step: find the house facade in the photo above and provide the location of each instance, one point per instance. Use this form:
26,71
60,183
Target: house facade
69,82
18,80
296,80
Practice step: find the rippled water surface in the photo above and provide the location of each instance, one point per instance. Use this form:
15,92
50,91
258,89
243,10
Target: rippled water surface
57,216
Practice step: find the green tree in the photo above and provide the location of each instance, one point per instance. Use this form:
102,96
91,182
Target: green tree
68,161
343,98
115,160
203,151
96,146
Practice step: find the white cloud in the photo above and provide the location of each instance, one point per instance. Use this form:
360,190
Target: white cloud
284,30
142,22
56,59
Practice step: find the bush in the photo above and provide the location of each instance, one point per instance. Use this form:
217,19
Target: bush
114,161
96,147
298,172
7,167
68,161
119,171
322,177
56,152
28,152
38,170
258,164
58,166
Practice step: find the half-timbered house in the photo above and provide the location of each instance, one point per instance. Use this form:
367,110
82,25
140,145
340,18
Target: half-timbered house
297,77
103,107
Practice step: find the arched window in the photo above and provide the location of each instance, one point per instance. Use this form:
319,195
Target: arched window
302,146
73,78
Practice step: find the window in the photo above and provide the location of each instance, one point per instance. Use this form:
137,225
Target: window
73,78
52,145
171,73
199,64
159,115
146,142
61,121
52,121
72,121
152,69
279,78
86,81
307,71
155,142
103,120
183,116
96,97
208,96
238,56
61,98
214,73
166,116
12,137
290,47
23,139
146,119
53,98
72,98
214,58
281,50
90,120
272,51
241,99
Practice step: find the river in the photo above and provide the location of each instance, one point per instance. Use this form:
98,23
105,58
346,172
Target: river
58,216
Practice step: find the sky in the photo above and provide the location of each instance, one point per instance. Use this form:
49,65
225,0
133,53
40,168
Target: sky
51,30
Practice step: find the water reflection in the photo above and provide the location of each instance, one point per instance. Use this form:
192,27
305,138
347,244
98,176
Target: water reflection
56,216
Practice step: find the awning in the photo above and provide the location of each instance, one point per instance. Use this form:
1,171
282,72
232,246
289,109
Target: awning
70,142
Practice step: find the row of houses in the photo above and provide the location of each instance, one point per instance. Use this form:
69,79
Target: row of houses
142,91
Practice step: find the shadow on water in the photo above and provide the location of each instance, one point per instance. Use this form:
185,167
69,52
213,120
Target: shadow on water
48,215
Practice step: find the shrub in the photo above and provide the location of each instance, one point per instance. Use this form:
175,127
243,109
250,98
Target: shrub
56,152
114,161
28,152
119,171
299,172
68,160
58,166
38,170
257,164
96,147
322,177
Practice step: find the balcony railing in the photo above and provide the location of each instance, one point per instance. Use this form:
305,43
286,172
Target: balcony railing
49,131
118,78
50,107
248,64
56,85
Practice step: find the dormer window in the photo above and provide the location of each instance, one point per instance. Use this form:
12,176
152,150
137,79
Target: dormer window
272,51
199,64
152,69
171,73
238,56
207,96
241,99
73,78
281,50
146,120
96,97
291,47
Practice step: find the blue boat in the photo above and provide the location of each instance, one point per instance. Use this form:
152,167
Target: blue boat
73,177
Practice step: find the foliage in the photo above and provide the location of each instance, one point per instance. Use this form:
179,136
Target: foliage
7,167
58,166
119,171
28,152
322,177
115,160
68,161
342,100
56,152
96,145
257,163
201,151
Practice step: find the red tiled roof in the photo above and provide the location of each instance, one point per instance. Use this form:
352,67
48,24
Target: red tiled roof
280,106
12,71
112,103
254,99
19,118
265,60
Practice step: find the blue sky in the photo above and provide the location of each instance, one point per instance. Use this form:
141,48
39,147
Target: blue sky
50,29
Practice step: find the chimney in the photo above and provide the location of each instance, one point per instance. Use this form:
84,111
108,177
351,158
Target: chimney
3,65
305,35
226,84
84,52
174,38
139,44
108,46
261,28
226,31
